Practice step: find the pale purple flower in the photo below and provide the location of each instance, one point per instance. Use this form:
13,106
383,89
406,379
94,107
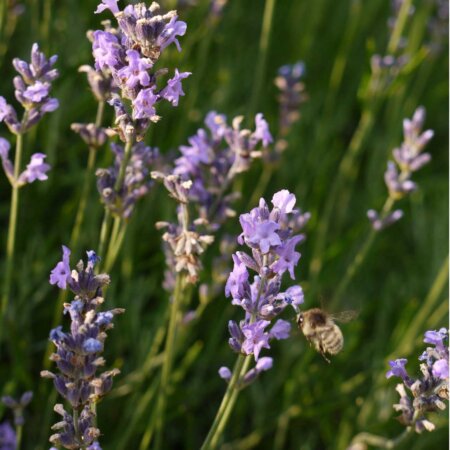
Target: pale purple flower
7,437
107,4
37,91
237,279
284,201
4,148
143,104
295,295
398,369
255,338
106,50
4,109
265,236
288,257
60,275
135,72
264,363
440,369
173,29
174,89
436,337
225,373
262,130
281,329
36,169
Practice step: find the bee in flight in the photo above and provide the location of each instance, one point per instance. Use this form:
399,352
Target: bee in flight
321,331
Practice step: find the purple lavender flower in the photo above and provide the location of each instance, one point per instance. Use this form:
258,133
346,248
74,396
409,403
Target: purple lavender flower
8,439
430,390
272,246
60,275
398,369
174,90
136,72
292,95
137,181
256,338
408,158
129,54
18,407
36,169
144,105
78,353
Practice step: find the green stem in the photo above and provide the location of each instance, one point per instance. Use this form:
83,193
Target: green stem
263,47
117,237
11,240
19,430
361,254
169,353
79,218
399,27
380,441
227,404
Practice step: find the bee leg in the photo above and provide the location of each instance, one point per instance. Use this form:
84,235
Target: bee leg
322,352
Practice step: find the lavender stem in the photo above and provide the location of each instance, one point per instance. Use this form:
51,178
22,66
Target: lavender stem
11,240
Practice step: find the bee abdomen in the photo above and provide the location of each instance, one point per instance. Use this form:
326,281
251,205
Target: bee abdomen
333,341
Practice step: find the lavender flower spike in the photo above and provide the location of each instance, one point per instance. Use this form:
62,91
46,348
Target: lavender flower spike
427,393
271,240
408,158
78,353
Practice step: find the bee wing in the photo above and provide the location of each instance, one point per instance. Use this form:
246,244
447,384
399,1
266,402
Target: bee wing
344,316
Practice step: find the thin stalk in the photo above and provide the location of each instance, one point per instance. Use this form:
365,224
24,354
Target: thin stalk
115,244
360,255
169,353
79,218
227,403
263,47
19,430
11,239
105,232
381,441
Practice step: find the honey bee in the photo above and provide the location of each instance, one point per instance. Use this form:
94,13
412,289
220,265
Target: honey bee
321,331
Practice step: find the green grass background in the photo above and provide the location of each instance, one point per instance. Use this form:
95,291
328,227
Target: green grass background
400,291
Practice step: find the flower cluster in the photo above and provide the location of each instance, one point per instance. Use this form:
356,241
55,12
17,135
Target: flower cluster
78,352
408,158
428,391
212,160
128,54
32,91
269,234
36,169
8,439
185,240
18,407
120,200
292,95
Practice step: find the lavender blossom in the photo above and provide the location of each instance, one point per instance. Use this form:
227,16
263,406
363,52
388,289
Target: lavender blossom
136,183
32,91
18,407
408,158
8,440
426,393
213,158
292,95
128,54
265,233
36,169
78,353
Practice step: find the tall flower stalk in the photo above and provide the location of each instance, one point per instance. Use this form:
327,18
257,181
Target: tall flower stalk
269,235
130,53
78,353
408,158
32,91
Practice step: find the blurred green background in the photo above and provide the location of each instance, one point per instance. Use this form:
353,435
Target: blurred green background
400,290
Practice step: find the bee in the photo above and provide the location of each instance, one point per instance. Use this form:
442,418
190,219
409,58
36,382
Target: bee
321,331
